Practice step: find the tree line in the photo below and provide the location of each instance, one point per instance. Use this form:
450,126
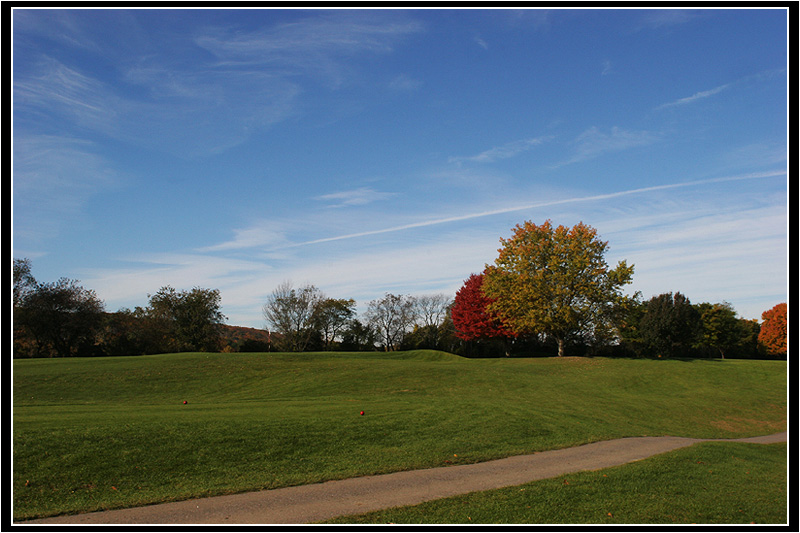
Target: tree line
63,319
549,292
304,319
666,325
552,286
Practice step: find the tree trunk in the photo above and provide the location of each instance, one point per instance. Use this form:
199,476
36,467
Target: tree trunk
560,347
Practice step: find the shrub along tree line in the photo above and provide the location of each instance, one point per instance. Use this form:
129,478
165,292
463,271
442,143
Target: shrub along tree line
550,291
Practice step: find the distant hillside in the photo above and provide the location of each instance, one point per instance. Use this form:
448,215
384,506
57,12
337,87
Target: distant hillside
241,338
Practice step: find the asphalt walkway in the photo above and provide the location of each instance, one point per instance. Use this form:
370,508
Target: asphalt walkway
314,503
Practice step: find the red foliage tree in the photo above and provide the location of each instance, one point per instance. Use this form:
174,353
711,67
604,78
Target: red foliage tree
470,316
773,334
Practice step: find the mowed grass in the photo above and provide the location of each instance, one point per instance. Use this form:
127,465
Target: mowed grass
708,483
101,433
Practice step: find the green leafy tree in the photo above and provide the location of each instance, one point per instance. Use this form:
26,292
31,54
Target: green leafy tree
721,329
358,336
199,319
187,320
670,325
555,281
62,317
123,333
630,327
748,346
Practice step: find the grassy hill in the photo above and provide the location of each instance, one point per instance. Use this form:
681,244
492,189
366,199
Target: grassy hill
96,433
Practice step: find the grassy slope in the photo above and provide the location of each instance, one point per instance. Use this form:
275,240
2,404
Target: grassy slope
109,432
709,483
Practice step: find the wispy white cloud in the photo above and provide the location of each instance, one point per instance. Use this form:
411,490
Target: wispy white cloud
538,19
667,18
86,30
738,253
405,83
145,274
264,235
209,88
758,77
505,151
367,273
359,273
594,143
696,96
54,89
761,153
311,46
550,203
355,197
327,34
54,178
211,92
706,249
180,111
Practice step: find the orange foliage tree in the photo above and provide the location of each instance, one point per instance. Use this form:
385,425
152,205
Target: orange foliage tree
773,334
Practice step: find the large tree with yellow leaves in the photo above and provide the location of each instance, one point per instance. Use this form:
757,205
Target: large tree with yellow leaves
555,281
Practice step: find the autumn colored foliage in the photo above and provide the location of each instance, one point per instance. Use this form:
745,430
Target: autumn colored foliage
470,316
554,280
773,334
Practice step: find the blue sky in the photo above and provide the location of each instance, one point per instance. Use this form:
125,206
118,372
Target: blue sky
372,151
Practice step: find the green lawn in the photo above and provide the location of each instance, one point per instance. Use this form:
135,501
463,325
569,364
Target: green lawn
98,433
708,483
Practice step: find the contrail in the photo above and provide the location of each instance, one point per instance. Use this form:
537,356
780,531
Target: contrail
592,198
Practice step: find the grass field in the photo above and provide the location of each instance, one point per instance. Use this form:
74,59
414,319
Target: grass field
708,483
99,433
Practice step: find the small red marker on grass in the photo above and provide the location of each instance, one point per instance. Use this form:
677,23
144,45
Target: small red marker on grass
185,402
362,413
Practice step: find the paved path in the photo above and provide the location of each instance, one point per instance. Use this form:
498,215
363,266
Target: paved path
322,501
